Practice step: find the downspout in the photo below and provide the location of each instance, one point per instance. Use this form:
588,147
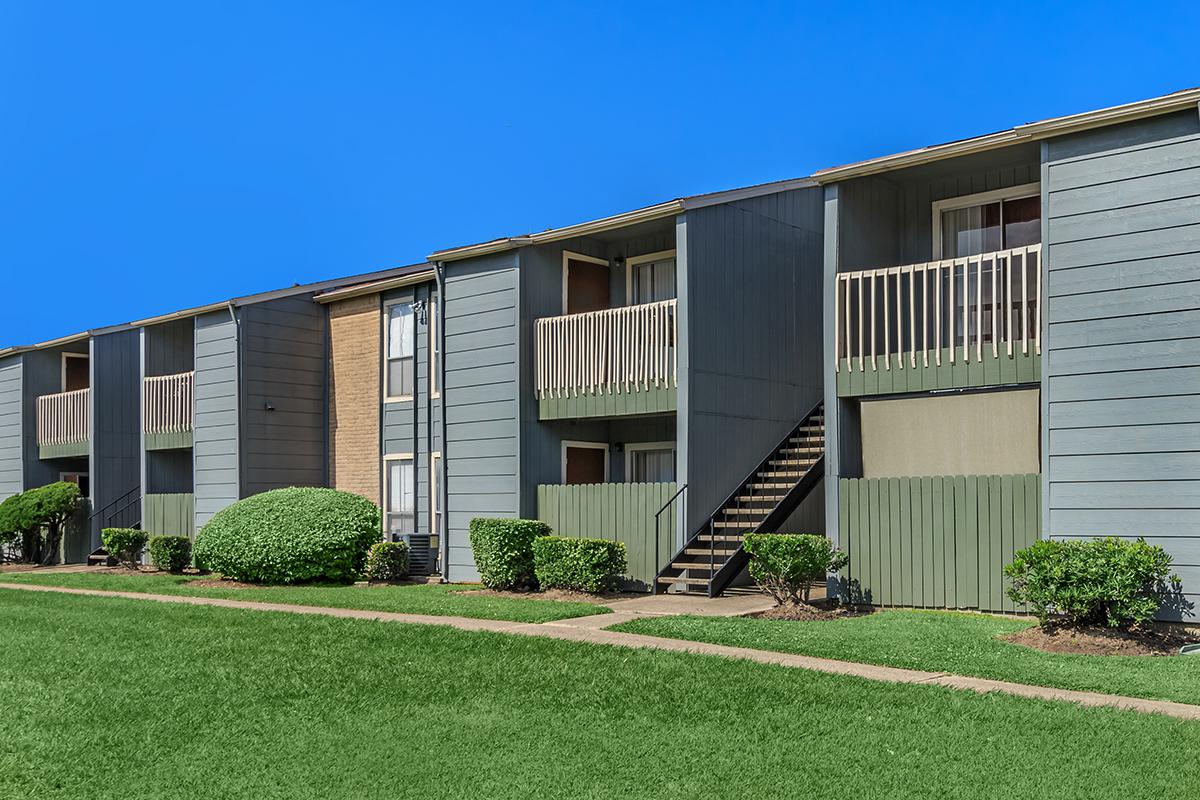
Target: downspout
439,269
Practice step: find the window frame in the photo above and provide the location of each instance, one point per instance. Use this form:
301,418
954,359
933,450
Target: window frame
630,449
632,261
387,338
387,492
589,445
938,207
567,257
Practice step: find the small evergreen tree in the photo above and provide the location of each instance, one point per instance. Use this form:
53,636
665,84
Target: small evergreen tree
51,506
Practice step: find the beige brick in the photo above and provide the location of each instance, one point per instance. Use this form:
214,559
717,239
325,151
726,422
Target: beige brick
354,395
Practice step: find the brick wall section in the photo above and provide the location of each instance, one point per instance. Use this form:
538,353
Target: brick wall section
354,398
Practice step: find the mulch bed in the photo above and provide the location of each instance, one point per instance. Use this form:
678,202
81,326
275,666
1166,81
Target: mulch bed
556,594
816,611
1097,641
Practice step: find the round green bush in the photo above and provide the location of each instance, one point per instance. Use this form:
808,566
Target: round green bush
387,561
290,535
125,544
171,553
503,550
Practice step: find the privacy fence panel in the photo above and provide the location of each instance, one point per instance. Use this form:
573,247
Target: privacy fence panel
622,512
936,542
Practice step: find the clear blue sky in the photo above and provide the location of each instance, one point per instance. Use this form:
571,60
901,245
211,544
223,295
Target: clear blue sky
159,155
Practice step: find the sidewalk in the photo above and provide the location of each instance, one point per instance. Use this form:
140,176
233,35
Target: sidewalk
591,630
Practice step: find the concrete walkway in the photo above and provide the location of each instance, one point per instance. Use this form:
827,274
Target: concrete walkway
590,630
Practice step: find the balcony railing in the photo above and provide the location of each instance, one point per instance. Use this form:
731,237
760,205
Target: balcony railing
624,349
167,403
64,418
986,304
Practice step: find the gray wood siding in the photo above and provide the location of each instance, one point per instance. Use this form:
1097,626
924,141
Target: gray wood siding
1122,392
753,316
12,471
414,426
170,347
481,399
116,419
215,442
283,367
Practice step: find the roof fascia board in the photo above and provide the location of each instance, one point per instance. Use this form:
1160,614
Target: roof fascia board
375,287
1032,131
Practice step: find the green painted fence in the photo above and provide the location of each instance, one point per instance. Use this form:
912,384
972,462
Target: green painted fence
901,378
170,515
655,400
936,542
622,512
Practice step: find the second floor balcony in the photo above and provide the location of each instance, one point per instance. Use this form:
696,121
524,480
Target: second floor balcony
611,362
64,423
168,403
955,323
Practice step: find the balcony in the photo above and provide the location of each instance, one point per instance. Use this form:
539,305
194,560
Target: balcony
64,424
167,411
956,323
607,363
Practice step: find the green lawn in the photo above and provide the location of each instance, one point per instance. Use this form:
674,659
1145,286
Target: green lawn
941,641
113,698
442,600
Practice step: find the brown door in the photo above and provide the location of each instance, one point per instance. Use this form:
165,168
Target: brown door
587,286
75,373
585,465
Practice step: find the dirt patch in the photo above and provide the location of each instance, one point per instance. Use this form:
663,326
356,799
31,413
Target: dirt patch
1096,641
808,612
555,594
223,583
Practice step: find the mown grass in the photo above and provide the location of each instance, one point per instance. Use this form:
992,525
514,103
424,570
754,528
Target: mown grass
941,641
113,698
453,600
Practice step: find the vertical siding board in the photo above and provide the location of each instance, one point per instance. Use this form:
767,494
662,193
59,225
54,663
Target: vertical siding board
906,543
996,557
950,531
938,536
895,559
983,542
876,517
929,564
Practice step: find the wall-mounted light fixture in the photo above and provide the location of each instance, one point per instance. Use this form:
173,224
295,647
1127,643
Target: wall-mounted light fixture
419,311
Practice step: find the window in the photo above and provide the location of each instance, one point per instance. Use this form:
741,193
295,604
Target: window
75,372
651,277
987,222
400,517
651,462
400,344
80,479
434,348
435,498
584,462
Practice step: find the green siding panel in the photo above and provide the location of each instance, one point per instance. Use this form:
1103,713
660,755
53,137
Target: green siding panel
169,515
936,542
176,440
891,376
68,450
622,512
655,400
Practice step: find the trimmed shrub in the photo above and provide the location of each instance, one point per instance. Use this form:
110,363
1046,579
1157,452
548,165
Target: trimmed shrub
18,528
125,544
787,564
290,535
171,553
585,565
503,550
1113,582
387,561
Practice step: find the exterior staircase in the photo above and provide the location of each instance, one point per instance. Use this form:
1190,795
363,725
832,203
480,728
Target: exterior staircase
713,554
